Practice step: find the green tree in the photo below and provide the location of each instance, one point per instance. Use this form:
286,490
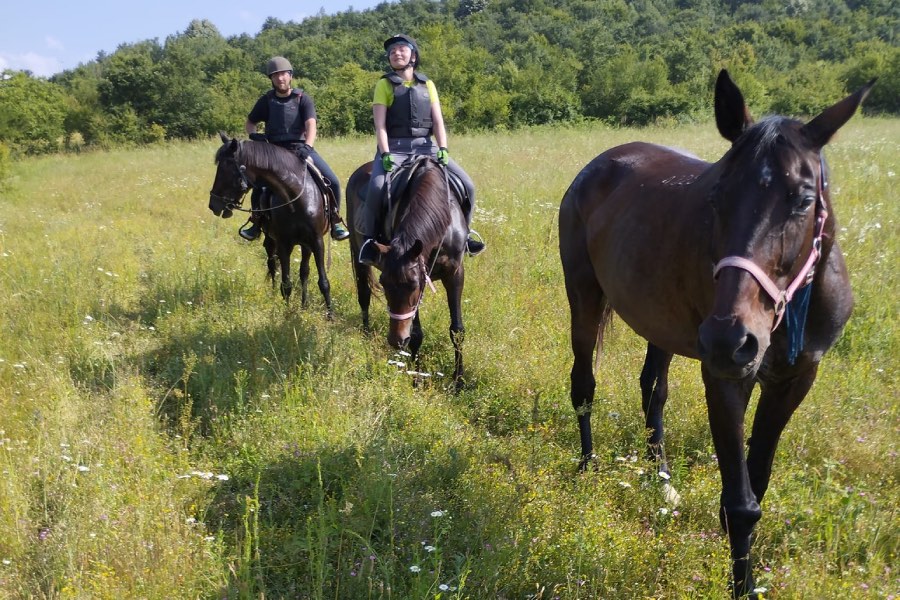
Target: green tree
876,59
40,127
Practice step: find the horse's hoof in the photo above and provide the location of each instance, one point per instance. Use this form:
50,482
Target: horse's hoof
588,462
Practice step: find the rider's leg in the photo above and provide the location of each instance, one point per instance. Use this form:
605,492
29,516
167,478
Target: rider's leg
369,210
338,231
473,246
252,232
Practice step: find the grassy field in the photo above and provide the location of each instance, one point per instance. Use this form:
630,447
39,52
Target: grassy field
169,429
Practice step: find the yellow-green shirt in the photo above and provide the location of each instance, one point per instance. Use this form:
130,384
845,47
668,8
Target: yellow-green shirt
384,91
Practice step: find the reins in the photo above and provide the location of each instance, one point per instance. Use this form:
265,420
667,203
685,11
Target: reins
246,184
782,298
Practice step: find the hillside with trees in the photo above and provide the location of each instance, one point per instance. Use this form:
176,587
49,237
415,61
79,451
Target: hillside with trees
498,64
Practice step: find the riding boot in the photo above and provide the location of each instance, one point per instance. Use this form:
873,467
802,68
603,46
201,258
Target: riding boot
252,232
339,232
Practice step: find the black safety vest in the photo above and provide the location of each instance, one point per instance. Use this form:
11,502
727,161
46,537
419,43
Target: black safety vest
285,123
410,113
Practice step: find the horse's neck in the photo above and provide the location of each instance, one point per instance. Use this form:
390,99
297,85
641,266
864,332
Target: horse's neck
286,183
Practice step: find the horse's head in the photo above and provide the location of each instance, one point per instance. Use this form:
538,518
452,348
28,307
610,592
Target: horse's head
770,201
230,184
403,278
421,231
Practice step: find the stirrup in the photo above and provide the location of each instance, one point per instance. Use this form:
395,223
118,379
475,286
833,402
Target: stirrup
368,253
474,247
249,233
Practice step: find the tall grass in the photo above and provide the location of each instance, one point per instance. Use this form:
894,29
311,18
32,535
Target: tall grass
169,429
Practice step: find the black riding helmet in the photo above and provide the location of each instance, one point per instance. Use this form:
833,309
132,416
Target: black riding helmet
402,38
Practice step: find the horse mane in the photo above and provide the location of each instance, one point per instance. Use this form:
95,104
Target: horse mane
427,214
265,157
762,136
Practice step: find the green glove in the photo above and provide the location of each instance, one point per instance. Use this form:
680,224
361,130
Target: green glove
387,162
443,156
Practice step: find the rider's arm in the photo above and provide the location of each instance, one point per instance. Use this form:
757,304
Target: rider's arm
250,127
311,132
437,117
379,116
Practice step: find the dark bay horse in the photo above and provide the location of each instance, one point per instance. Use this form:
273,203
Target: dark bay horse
427,241
298,213
733,263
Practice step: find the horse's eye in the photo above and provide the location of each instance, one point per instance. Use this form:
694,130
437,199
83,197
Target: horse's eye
803,201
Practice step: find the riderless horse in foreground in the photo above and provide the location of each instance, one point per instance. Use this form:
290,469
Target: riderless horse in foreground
298,208
734,263
427,231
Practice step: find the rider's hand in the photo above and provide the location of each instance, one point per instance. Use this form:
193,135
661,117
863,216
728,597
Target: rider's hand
443,156
258,137
303,151
387,162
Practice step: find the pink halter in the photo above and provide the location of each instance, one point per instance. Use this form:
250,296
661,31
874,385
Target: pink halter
782,298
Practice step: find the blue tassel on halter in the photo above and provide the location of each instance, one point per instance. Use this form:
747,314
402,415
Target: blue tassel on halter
795,320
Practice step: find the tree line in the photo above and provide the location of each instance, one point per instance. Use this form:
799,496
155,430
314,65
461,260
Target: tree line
498,64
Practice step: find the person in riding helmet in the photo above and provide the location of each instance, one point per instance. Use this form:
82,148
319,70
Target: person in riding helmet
407,113
290,118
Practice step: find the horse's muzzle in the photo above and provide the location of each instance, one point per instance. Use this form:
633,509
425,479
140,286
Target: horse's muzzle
399,334
727,348
219,208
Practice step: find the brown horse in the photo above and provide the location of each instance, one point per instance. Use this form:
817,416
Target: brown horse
427,241
704,260
297,216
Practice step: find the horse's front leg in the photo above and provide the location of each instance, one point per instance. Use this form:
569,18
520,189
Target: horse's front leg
726,402
454,287
318,252
271,258
305,253
654,393
363,290
284,258
777,402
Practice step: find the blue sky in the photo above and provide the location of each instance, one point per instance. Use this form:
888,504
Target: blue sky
50,36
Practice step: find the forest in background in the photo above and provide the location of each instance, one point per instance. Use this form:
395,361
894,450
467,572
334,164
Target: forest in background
498,64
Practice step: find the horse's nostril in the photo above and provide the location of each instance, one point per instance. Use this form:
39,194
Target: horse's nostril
746,352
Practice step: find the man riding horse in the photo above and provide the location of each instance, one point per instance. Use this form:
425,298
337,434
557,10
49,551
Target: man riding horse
407,112
290,117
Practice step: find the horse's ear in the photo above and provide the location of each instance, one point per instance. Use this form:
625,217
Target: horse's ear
820,129
415,250
732,116
224,137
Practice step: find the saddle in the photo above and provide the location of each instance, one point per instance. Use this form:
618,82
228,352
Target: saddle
400,178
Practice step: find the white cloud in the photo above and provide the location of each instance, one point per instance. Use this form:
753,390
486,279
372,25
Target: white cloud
53,43
40,66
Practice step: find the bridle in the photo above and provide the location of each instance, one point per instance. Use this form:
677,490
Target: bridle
246,184
426,280
782,298
235,203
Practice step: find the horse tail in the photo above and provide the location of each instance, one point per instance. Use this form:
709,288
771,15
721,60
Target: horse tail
605,323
